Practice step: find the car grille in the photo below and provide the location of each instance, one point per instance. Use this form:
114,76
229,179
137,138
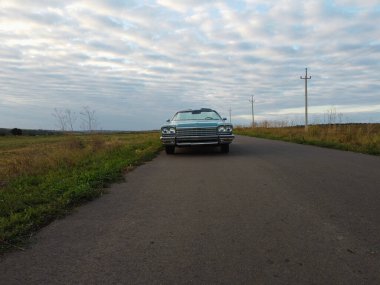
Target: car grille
196,132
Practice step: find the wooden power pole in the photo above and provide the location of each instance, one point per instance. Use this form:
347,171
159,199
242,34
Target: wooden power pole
306,79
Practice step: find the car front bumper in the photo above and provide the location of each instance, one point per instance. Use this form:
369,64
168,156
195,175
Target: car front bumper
197,140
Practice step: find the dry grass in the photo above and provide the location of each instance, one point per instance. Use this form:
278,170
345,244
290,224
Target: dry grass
36,155
363,138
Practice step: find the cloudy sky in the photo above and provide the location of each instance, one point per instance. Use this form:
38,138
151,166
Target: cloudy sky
137,62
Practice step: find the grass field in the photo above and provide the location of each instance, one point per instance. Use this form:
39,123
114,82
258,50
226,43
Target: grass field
364,138
42,178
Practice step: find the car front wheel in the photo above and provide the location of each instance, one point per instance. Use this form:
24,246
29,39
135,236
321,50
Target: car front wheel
225,148
169,149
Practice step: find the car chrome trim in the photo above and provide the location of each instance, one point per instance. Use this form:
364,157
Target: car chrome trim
196,143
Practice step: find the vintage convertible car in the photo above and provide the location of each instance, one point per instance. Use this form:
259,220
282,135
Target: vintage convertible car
196,127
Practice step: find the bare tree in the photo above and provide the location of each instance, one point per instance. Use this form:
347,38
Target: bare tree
70,118
331,116
60,117
88,118
66,119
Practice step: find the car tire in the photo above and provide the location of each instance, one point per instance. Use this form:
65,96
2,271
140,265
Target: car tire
225,148
169,149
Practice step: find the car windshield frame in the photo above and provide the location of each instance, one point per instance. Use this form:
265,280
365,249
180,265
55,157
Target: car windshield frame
197,115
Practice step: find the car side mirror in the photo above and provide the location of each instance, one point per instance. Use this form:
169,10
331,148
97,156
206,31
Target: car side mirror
224,119
168,120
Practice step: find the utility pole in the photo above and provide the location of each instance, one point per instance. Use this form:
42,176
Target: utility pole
230,110
306,79
253,115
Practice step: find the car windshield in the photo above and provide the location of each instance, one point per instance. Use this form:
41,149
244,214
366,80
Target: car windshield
197,115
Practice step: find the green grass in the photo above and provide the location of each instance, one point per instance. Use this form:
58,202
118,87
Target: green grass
42,178
363,138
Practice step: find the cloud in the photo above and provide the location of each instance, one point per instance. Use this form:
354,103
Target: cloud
134,59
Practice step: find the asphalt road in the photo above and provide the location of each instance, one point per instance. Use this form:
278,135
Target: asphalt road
268,212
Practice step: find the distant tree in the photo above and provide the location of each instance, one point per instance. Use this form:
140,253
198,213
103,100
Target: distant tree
70,119
65,119
61,121
89,121
16,132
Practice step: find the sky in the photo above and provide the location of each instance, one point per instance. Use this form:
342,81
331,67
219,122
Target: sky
135,63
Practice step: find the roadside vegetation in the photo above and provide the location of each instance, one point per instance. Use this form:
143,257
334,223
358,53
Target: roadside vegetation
364,138
43,177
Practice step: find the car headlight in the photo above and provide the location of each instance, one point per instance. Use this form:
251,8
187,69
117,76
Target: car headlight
165,131
225,129
172,130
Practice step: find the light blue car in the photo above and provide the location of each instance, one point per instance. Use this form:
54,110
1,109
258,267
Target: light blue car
196,127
